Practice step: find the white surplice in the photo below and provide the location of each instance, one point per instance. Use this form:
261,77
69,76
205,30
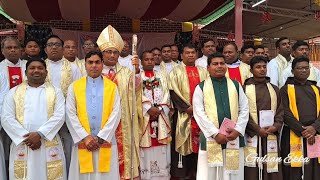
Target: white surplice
208,128
202,62
4,88
107,133
155,160
6,63
275,70
35,120
56,68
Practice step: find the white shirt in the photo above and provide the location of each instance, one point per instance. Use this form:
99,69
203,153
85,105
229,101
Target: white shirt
156,68
274,72
287,73
56,68
125,61
206,125
202,62
169,67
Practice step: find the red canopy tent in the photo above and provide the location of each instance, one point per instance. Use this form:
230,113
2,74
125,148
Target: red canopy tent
77,10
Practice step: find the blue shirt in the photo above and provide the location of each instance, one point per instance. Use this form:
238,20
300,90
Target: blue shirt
94,99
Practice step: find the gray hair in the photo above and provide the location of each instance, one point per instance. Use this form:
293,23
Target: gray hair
10,38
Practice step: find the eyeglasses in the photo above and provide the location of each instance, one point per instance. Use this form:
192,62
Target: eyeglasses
112,52
88,45
50,45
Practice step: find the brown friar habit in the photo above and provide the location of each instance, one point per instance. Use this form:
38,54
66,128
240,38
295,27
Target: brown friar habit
307,108
263,102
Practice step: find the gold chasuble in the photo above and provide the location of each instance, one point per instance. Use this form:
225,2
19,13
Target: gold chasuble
66,75
296,143
55,165
81,65
250,150
85,156
180,85
216,113
163,67
123,79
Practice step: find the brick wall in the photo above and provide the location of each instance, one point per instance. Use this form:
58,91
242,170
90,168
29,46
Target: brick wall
122,24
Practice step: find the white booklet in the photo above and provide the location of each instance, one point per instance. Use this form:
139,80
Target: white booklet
266,118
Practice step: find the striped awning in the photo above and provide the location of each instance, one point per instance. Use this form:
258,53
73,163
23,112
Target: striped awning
79,10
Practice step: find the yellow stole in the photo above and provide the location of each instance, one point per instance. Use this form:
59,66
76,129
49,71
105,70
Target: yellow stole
55,167
85,156
66,76
295,141
249,150
215,157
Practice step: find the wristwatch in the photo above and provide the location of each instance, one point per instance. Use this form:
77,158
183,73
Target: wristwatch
100,140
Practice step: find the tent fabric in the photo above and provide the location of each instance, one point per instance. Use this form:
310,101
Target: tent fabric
79,10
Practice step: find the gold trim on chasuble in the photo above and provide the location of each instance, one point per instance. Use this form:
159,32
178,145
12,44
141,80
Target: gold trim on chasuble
66,75
296,144
85,156
54,161
123,79
250,150
183,135
214,150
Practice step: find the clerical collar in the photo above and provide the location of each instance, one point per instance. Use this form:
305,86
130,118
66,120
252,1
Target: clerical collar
93,80
9,63
204,56
41,86
234,64
75,59
218,79
56,62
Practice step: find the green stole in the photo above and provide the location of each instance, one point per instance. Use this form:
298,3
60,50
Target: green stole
224,107
217,111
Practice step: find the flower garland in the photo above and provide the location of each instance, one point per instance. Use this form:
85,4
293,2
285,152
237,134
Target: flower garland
151,83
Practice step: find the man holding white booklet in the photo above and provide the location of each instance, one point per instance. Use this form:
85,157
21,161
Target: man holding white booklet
215,100
300,135
264,125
